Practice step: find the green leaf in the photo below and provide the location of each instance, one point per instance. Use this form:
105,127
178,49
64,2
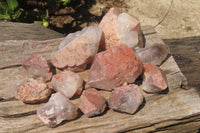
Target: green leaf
38,22
66,2
12,4
45,24
4,6
4,17
17,14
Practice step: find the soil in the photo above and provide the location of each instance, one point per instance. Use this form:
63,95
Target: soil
171,19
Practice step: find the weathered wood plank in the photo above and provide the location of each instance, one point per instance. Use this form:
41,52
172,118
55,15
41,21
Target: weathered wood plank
169,113
25,31
15,51
160,111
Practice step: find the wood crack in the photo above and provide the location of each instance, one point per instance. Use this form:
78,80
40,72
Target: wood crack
20,115
12,66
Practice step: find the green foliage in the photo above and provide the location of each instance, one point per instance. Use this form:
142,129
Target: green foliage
66,2
9,10
44,19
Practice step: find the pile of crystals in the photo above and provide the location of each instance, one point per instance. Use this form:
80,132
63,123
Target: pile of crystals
114,52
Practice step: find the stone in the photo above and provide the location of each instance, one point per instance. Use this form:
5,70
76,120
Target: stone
120,29
92,103
78,49
154,79
154,54
32,91
56,110
114,67
68,83
38,67
126,99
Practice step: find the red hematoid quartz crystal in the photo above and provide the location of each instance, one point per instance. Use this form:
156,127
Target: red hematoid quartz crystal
33,91
78,49
114,67
126,99
58,109
38,66
92,103
120,29
154,79
68,83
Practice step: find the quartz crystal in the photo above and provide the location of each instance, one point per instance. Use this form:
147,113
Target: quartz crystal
120,29
114,67
126,99
154,79
154,54
78,49
56,110
92,103
68,83
38,66
32,91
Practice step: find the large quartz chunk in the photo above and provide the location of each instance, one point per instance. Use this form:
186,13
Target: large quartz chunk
114,67
78,49
154,79
68,83
32,91
120,29
92,103
38,66
154,54
58,109
126,99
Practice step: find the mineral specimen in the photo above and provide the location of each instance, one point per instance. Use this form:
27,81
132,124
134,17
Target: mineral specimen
154,79
68,83
38,66
154,54
32,91
114,67
58,109
92,103
78,49
120,29
126,99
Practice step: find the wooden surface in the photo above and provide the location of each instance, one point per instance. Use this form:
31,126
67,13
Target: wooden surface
177,110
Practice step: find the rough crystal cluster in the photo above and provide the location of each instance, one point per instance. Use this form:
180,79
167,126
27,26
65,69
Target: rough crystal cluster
154,79
154,54
58,109
68,83
126,99
32,91
121,29
114,67
78,49
38,66
92,103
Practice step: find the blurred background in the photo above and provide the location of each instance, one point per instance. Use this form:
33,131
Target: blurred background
170,18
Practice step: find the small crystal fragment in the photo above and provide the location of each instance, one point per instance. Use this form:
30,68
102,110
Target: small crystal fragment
68,83
114,67
32,91
56,110
120,29
38,66
92,103
154,79
154,54
126,99
78,49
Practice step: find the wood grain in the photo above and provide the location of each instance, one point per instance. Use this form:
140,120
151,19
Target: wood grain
175,111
